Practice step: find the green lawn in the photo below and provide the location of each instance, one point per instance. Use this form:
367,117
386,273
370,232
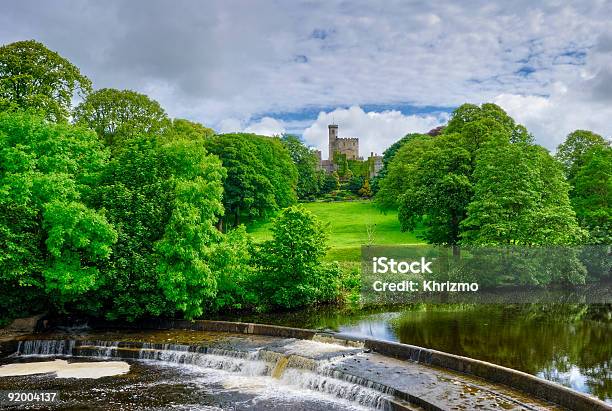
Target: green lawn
348,222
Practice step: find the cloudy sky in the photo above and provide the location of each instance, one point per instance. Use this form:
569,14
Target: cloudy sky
380,69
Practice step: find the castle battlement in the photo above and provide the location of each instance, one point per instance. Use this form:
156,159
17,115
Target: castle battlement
348,146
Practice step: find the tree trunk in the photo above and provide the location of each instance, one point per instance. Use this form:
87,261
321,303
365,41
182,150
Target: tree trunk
456,251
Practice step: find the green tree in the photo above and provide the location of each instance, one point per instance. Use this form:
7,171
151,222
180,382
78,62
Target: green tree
388,155
261,177
435,184
399,171
32,77
365,191
188,129
439,191
190,234
592,191
488,114
291,273
307,163
120,115
280,169
520,198
232,262
355,184
331,182
572,151
163,197
54,243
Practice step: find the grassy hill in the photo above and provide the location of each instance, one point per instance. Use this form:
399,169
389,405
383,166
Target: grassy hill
348,227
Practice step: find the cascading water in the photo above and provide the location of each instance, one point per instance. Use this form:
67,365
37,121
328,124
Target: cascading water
285,368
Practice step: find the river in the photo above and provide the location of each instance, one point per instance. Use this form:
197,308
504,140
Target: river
566,343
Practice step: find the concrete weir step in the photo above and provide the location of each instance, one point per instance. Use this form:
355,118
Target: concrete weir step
410,377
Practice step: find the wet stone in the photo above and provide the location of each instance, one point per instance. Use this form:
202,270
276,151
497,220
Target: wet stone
207,370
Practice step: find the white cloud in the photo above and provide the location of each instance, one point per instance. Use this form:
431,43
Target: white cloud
229,125
267,126
375,130
550,119
582,102
290,56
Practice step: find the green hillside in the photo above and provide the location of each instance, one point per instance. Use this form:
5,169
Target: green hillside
348,227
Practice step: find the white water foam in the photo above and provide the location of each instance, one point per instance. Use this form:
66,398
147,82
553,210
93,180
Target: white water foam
265,374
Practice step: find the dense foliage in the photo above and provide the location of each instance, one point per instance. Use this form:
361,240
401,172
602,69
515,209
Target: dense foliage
120,115
290,268
388,155
35,78
397,173
572,152
587,159
481,181
440,190
520,197
261,177
54,243
188,129
164,199
309,177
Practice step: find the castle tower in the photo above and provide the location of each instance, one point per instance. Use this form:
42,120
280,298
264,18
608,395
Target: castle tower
333,136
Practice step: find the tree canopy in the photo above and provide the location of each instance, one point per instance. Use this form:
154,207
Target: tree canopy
261,177
439,191
291,273
164,198
394,180
120,115
54,243
520,198
572,151
481,181
591,193
34,78
309,179
188,129
388,155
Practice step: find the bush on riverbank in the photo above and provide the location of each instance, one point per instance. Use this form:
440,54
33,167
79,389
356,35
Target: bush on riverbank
290,272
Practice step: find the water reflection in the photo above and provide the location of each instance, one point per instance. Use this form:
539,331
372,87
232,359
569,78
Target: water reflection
565,343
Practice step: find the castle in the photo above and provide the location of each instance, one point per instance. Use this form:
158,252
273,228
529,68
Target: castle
348,146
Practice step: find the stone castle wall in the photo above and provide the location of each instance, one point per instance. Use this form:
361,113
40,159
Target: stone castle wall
348,146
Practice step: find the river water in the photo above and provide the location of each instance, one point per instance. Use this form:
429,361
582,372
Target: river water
570,344
107,374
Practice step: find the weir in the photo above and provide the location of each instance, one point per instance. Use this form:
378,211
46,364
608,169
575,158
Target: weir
292,370
362,374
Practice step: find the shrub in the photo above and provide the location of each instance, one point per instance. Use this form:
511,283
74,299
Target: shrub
291,274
